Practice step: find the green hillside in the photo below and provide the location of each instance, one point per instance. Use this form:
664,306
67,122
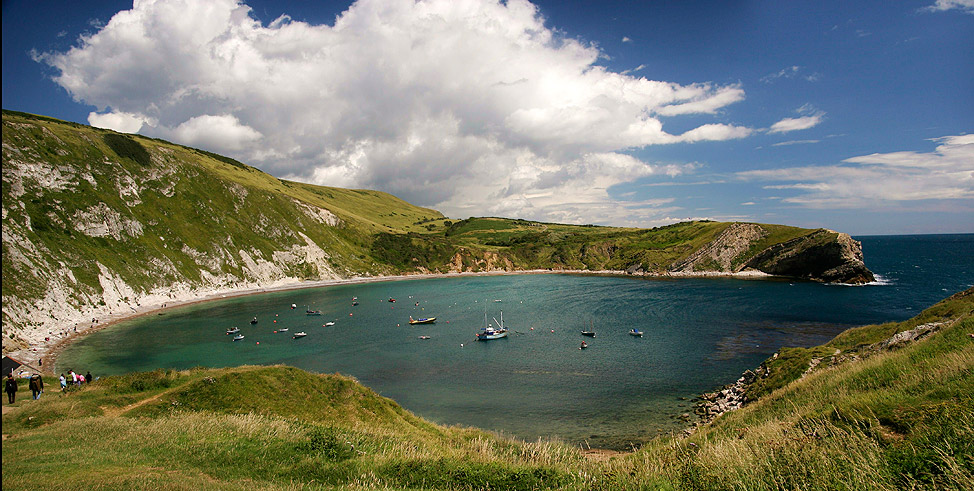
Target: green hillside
875,415
96,223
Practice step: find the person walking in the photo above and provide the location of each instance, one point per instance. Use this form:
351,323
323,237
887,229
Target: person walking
36,385
88,377
10,387
64,383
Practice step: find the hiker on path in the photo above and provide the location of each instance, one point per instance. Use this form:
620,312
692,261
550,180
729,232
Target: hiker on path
64,383
36,385
10,387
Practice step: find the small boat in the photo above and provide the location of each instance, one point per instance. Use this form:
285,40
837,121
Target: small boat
233,330
238,337
283,329
635,332
299,335
328,324
422,320
253,321
584,345
489,332
590,332
312,312
294,306
424,337
354,303
392,300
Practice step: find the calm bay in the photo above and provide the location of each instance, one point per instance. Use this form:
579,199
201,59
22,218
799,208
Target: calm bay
700,333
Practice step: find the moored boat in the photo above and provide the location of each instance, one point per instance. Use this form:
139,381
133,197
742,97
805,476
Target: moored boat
238,337
422,320
299,335
328,324
584,345
636,332
233,330
489,332
590,334
253,321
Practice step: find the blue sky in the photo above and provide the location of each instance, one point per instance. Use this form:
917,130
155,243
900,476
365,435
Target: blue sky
855,116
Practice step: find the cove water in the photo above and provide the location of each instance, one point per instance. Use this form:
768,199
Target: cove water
699,334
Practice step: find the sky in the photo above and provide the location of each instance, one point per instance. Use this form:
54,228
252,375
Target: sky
854,116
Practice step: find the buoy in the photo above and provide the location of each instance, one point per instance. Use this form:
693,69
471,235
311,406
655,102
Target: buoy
258,342
552,330
532,328
397,325
461,345
349,314
275,321
275,332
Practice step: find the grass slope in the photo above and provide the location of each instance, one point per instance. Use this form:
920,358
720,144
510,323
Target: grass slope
894,419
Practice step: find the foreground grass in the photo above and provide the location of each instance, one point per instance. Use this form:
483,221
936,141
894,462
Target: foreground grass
896,419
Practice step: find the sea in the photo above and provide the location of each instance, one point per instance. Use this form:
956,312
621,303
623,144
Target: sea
699,334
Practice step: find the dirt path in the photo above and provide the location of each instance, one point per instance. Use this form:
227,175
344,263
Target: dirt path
118,411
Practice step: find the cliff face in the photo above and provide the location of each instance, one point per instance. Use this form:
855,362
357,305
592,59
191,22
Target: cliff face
824,255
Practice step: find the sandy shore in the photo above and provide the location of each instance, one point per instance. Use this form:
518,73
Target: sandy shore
48,351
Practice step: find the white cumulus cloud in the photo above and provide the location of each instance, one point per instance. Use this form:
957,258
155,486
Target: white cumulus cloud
470,106
117,120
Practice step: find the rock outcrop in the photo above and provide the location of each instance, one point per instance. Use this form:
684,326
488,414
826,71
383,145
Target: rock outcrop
825,255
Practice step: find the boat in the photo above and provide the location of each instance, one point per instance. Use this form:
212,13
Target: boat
422,320
635,332
424,337
233,330
312,312
328,324
238,337
294,306
299,335
584,345
489,332
253,321
354,303
392,300
590,332
283,329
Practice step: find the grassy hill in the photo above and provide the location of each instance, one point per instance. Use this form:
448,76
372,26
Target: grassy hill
870,415
97,223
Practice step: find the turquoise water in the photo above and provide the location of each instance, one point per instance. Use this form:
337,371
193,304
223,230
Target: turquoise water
699,334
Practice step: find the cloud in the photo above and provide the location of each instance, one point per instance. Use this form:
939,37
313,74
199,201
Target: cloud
220,132
813,118
793,142
878,179
118,121
626,39
966,6
793,71
468,106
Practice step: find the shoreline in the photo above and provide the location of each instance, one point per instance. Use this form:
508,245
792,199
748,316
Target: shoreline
49,351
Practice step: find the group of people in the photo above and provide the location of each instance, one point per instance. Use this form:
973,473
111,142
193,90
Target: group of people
36,384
